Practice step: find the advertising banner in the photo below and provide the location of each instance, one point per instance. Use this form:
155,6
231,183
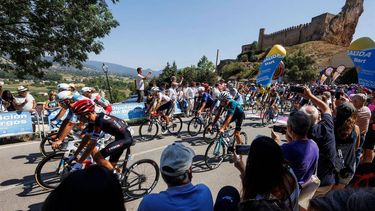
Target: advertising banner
362,53
128,111
270,64
15,123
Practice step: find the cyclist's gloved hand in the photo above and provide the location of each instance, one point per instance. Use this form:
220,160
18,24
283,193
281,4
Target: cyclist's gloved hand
76,166
70,158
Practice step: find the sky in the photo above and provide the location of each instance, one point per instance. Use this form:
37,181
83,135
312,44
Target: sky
154,32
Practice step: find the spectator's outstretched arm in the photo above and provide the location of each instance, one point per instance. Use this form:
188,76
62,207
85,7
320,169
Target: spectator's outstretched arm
324,108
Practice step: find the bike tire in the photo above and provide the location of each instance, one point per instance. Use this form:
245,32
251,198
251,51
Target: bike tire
45,145
151,130
127,182
244,137
265,118
275,116
194,126
214,146
175,126
57,175
210,135
254,109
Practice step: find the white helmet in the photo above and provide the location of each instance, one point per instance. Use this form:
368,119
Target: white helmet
63,87
155,89
201,89
86,89
64,95
225,96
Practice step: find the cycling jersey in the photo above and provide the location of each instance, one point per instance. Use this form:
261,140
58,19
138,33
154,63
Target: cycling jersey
206,97
115,127
101,103
238,115
163,98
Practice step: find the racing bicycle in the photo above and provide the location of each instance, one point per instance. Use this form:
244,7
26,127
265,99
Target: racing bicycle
149,129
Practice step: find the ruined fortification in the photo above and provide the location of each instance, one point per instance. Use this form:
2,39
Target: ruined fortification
335,29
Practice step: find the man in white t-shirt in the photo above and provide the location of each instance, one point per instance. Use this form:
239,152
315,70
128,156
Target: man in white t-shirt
24,101
140,84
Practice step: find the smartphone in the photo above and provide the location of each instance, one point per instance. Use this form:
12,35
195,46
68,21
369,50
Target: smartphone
279,129
242,149
297,89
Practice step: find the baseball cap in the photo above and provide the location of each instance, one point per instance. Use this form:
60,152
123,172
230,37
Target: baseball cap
227,199
176,159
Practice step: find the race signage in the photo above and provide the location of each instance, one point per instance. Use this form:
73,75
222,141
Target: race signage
15,123
128,110
362,53
270,64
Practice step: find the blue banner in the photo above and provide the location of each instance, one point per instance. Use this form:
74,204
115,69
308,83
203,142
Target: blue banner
128,111
270,64
367,78
15,123
365,59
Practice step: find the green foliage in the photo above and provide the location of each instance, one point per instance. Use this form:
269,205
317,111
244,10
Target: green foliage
167,73
67,30
206,71
249,56
300,68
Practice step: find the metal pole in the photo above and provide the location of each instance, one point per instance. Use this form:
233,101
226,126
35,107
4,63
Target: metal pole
105,70
217,59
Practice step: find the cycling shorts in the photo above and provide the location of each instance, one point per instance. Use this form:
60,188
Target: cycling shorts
117,147
166,107
238,120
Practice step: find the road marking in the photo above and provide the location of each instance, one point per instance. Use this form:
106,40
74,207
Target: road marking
147,151
18,145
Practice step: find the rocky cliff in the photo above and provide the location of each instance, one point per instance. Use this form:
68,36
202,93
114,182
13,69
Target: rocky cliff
342,27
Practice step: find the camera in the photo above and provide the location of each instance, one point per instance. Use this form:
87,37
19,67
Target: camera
279,129
242,149
297,89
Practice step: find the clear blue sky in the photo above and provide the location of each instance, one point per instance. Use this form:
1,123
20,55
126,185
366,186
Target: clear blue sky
153,32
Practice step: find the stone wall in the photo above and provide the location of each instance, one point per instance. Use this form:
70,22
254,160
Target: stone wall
296,34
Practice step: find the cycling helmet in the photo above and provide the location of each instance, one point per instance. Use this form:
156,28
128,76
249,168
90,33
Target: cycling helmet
64,95
86,89
83,107
63,87
201,89
155,89
225,96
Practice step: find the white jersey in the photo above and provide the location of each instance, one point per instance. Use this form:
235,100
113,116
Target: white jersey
189,93
163,98
172,94
215,93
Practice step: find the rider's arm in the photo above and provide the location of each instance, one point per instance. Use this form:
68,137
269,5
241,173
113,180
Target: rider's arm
83,143
89,148
218,115
202,107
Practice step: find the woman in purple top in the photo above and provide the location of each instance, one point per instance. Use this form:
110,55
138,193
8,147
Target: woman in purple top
301,152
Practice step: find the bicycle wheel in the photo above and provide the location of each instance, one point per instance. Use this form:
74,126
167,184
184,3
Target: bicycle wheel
140,178
266,118
243,137
148,130
209,133
50,171
214,155
275,116
254,109
175,125
45,146
195,126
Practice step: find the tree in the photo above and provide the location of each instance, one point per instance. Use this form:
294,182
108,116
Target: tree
67,30
300,68
167,73
206,71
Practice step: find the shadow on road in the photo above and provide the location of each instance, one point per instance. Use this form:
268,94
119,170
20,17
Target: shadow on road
193,141
36,207
29,187
31,158
199,165
253,124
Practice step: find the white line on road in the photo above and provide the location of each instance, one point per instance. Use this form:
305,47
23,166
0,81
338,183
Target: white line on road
18,145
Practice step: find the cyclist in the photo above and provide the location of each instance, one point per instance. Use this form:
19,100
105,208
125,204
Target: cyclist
273,97
97,123
163,103
234,113
207,102
99,101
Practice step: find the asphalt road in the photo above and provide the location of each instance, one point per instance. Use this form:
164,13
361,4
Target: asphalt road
18,190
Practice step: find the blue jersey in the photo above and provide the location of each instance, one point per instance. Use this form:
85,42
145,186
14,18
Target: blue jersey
234,108
206,97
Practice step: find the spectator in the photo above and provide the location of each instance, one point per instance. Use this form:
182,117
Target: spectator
369,144
267,177
189,96
51,103
347,142
24,101
140,84
8,101
94,188
345,200
301,152
100,102
322,132
176,170
363,119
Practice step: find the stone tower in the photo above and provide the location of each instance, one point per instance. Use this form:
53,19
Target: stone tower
342,27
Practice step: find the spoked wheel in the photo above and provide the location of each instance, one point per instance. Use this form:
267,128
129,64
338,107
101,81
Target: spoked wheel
210,133
195,126
51,170
148,130
175,125
214,155
140,179
266,117
243,137
45,146
254,109
275,116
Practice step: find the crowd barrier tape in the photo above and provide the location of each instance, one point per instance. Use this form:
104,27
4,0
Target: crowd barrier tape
15,123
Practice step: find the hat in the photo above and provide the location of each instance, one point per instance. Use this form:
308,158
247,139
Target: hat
227,199
176,159
21,89
86,89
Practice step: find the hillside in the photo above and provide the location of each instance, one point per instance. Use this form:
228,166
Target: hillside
320,51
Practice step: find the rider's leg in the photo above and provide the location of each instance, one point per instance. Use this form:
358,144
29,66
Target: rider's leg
237,136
